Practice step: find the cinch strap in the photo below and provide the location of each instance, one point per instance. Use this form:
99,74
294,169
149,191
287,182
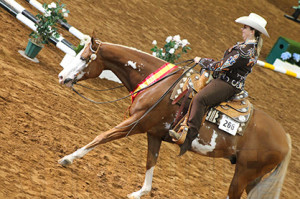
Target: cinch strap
152,78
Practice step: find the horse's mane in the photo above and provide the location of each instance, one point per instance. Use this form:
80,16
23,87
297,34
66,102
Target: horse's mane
133,49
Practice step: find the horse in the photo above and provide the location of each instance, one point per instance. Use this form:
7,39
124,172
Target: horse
261,155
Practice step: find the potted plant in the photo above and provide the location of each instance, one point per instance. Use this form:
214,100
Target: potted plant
46,27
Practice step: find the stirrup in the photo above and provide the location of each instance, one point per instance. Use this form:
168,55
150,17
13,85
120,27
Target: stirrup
180,136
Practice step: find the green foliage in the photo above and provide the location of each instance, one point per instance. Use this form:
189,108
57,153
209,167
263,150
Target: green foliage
169,52
47,22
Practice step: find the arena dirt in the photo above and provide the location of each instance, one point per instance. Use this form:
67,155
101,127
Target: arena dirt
41,121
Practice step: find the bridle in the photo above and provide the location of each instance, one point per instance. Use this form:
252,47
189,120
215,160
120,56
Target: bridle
94,53
92,57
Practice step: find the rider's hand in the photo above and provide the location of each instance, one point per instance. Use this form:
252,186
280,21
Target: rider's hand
197,59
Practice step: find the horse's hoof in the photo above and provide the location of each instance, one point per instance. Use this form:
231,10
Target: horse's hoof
65,162
132,196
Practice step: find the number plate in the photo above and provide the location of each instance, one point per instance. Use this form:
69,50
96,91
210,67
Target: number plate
229,125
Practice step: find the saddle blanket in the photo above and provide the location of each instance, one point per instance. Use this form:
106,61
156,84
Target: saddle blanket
232,117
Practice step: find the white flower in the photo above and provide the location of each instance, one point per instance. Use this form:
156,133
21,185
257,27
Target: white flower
154,42
285,56
63,10
154,54
66,15
184,42
163,54
49,29
176,38
169,39
296,57
52,5
176,46
172,50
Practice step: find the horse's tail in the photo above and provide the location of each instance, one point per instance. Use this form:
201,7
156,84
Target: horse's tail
271,186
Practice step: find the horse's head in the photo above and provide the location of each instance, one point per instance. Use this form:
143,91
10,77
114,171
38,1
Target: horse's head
84,66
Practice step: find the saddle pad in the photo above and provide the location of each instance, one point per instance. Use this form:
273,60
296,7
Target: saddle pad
237,110
239,113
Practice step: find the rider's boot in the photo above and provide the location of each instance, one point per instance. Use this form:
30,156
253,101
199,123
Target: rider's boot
184,138
187,145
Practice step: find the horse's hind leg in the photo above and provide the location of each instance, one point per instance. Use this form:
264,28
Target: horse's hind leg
247,170
251,185
251,166
238,183
115,133
153,151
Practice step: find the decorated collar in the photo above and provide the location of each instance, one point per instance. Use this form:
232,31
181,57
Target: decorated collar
152,78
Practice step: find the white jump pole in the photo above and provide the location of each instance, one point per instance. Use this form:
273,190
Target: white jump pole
67,26
278,69
28,19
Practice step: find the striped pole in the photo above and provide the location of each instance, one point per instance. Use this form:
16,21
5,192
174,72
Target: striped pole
65,25
21,14
278,69
27,14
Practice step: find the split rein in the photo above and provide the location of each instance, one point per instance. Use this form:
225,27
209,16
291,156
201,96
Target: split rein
106,102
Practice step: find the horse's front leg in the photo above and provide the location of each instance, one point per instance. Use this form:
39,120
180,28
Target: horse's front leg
117,132
153,150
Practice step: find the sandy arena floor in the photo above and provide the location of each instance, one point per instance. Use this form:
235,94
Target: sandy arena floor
41,121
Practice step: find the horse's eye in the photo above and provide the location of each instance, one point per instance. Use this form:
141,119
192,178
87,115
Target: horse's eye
82,58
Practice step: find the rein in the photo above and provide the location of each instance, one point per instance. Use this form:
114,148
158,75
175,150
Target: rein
158,101
106,102
100,90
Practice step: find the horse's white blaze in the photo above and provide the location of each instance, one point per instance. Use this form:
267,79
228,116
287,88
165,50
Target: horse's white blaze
146,187
204,149
72,69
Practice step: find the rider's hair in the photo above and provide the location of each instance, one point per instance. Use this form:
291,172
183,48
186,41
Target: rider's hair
259,40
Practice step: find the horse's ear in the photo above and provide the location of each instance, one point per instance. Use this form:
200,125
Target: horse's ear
93,40
93,43
93,37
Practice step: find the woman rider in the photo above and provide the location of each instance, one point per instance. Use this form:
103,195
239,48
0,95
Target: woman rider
234,67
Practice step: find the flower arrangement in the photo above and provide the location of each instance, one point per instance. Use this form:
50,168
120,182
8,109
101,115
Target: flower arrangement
47,22
168,51
291,58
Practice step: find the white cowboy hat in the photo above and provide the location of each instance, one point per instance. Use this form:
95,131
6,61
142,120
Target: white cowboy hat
255,21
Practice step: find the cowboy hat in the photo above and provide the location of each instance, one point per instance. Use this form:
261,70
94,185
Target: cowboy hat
255,21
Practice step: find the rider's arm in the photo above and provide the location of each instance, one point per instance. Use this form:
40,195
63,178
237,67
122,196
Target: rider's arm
232,59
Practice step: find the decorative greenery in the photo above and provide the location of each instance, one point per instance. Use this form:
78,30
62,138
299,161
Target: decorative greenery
168,52
291,58
47,22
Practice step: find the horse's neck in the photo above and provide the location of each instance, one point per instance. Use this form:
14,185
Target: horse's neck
131,66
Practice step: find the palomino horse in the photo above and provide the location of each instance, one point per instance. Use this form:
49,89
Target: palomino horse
264,147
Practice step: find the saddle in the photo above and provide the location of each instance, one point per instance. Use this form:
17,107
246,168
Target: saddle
231,116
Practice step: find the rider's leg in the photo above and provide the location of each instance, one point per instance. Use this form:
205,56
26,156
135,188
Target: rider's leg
214,93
